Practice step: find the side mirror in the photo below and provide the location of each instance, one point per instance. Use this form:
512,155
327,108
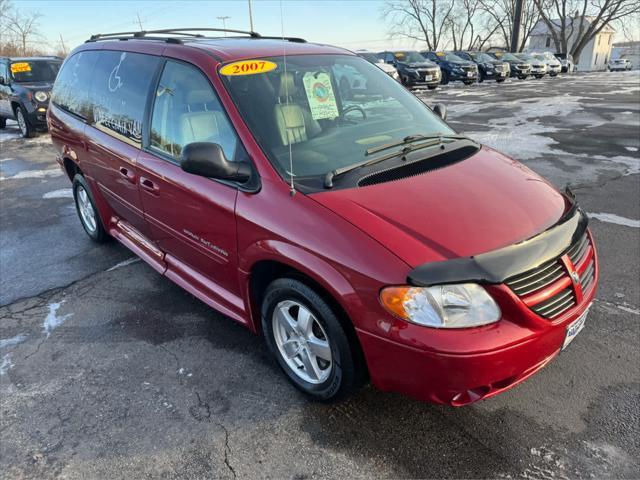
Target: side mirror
208,160
440,110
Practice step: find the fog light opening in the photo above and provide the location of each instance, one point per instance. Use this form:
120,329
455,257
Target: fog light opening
470,396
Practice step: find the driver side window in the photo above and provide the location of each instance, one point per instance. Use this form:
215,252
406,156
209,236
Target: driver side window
186,110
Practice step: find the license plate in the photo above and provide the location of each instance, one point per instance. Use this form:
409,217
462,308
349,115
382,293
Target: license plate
503,74
469,74
575,328
428,78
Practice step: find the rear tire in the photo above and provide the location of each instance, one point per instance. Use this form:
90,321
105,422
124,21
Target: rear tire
500,80
432,87
26,129
87,211
3,123
445,78
307,340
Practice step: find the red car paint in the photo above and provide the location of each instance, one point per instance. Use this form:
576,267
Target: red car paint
350,242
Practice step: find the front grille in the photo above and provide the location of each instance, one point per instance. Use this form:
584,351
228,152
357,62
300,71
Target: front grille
548,289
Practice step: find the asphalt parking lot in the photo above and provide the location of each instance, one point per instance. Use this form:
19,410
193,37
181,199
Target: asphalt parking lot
109,370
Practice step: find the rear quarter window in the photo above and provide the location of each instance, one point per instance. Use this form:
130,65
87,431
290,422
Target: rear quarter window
71,89
122,81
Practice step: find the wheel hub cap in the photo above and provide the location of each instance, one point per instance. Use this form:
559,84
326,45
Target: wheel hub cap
302,341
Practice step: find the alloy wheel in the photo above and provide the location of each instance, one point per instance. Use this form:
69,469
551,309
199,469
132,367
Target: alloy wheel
22,122
302,341
85,207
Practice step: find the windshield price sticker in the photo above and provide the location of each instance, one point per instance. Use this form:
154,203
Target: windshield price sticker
20,67
248,67
440,54
322,100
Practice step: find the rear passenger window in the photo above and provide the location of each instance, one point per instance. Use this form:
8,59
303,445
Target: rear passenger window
71,89
119,93
186,110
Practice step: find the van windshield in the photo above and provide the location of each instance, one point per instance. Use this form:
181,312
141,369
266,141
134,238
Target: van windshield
25,71
328,109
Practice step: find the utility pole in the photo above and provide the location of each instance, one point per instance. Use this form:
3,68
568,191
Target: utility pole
517,22
250,17
64,47
224,23
139,21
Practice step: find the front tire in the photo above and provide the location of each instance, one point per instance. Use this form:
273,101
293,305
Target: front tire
307,340
3,123
445,78
26,129
87,211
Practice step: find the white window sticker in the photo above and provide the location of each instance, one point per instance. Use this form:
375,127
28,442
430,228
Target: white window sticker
322,100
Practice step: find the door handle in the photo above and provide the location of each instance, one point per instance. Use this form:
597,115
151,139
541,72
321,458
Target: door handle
149,185
128,174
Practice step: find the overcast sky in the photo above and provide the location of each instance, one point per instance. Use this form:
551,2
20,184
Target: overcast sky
350,23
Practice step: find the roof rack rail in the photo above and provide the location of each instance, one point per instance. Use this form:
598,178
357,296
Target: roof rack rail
176,35
186,32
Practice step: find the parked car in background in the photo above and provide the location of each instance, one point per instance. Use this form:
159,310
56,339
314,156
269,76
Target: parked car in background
566,61
378,62
350,80
242,176
619,64
25,86
413,68
538,67
518,68
489,68
554,67
453,67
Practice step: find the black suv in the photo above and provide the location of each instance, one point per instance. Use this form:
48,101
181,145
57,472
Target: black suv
519,68
489,68
25,87
453,67
413,68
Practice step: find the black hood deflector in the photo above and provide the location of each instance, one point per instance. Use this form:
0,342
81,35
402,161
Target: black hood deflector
497,266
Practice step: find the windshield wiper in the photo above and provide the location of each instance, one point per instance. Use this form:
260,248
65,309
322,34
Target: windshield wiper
432,140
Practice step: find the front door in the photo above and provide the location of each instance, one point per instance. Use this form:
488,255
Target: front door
123,81
191,218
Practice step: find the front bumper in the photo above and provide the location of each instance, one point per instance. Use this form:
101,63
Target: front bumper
427,78
37,114
459,367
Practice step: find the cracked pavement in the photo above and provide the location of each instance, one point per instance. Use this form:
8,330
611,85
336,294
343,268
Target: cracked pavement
138,379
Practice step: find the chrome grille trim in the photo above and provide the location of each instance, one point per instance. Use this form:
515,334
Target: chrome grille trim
557,304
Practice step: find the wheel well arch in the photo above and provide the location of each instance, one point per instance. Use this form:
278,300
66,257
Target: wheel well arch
71,168
264,272
14,106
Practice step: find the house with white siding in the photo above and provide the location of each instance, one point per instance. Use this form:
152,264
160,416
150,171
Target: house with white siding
596,53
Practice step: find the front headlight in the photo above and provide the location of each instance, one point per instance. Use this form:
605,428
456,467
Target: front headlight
41,96
442,306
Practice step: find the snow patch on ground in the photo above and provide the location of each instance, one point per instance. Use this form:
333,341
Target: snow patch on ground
53,321
10,342
632,149
62,193
617,219
124,263
6,364
56,172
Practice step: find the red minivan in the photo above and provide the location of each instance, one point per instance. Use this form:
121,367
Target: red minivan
352,227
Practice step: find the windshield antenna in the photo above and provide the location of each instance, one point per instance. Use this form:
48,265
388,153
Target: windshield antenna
286,94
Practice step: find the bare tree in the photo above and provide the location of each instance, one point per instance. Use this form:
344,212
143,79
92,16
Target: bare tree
423,20
503,12
470,27
24,27
572,24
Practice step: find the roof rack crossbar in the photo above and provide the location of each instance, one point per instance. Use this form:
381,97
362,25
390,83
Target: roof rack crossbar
174,31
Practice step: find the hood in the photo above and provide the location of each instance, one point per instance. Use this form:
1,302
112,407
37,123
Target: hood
463,63
483,203
36,85
419,64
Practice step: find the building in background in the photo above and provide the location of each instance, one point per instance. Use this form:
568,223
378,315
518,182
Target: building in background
595,55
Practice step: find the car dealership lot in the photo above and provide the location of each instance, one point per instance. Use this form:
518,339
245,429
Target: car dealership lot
108,369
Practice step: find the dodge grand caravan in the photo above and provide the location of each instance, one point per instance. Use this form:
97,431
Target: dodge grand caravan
362,236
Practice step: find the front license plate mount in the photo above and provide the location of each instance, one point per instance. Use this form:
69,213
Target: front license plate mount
575,328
